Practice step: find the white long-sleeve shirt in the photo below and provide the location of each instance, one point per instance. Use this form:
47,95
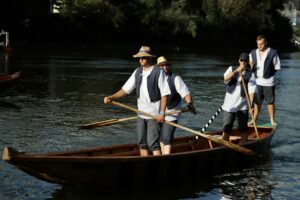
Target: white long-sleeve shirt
143,102
234,101
260,80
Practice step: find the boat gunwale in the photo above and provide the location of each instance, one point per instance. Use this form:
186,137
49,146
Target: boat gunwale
51,157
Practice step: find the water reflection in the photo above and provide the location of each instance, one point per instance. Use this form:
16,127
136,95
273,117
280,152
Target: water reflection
240,183
248,184
175,191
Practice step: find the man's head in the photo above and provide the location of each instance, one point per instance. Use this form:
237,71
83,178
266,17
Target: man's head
145,56
244,59
261,42
163,63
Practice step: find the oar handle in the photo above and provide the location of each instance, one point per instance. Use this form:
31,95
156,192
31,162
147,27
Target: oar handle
216,140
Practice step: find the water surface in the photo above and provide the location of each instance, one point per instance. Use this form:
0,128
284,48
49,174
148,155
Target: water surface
62,89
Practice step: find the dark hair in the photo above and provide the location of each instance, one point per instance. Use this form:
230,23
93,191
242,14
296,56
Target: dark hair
260,37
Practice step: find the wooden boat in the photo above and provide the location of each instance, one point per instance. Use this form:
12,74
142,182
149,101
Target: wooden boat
121,165
9,77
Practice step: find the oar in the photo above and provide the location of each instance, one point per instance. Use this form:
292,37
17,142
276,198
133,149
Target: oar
106,122
216,140
249,105
114,121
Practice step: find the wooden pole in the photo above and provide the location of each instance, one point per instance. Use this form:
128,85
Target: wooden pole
106,122
216,140
114,121
249,104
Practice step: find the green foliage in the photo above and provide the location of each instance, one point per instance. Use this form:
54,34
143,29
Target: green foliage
213,22
175,17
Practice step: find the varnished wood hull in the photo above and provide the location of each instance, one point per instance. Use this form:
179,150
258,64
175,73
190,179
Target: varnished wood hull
124,168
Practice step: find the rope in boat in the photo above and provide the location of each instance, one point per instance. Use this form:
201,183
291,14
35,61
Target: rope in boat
210,121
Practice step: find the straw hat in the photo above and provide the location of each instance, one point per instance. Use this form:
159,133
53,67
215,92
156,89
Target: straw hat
144,52
162,60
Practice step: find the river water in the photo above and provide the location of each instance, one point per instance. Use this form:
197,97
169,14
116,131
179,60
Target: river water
62,89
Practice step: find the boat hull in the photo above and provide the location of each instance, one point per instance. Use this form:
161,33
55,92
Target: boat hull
129,171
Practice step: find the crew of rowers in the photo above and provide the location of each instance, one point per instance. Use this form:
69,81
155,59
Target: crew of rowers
160,91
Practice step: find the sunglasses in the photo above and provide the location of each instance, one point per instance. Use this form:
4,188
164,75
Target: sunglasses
244,60
143,58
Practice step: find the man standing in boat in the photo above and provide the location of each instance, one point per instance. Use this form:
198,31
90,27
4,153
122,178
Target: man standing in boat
265,62
152,90
235,103
179,91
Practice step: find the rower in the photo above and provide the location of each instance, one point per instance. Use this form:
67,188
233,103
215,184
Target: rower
179,91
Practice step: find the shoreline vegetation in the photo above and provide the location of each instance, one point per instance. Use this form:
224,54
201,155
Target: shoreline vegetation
177,24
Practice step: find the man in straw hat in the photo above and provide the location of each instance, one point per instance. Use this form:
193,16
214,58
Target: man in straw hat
152,90
179,91
235,103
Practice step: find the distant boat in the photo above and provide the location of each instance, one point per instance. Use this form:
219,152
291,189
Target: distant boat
9,77
122,166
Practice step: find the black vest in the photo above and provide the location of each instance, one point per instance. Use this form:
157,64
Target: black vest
269,68
230,87
152,83
174,98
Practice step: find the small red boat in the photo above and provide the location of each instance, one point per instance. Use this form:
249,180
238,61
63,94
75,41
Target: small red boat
8,80
9,77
